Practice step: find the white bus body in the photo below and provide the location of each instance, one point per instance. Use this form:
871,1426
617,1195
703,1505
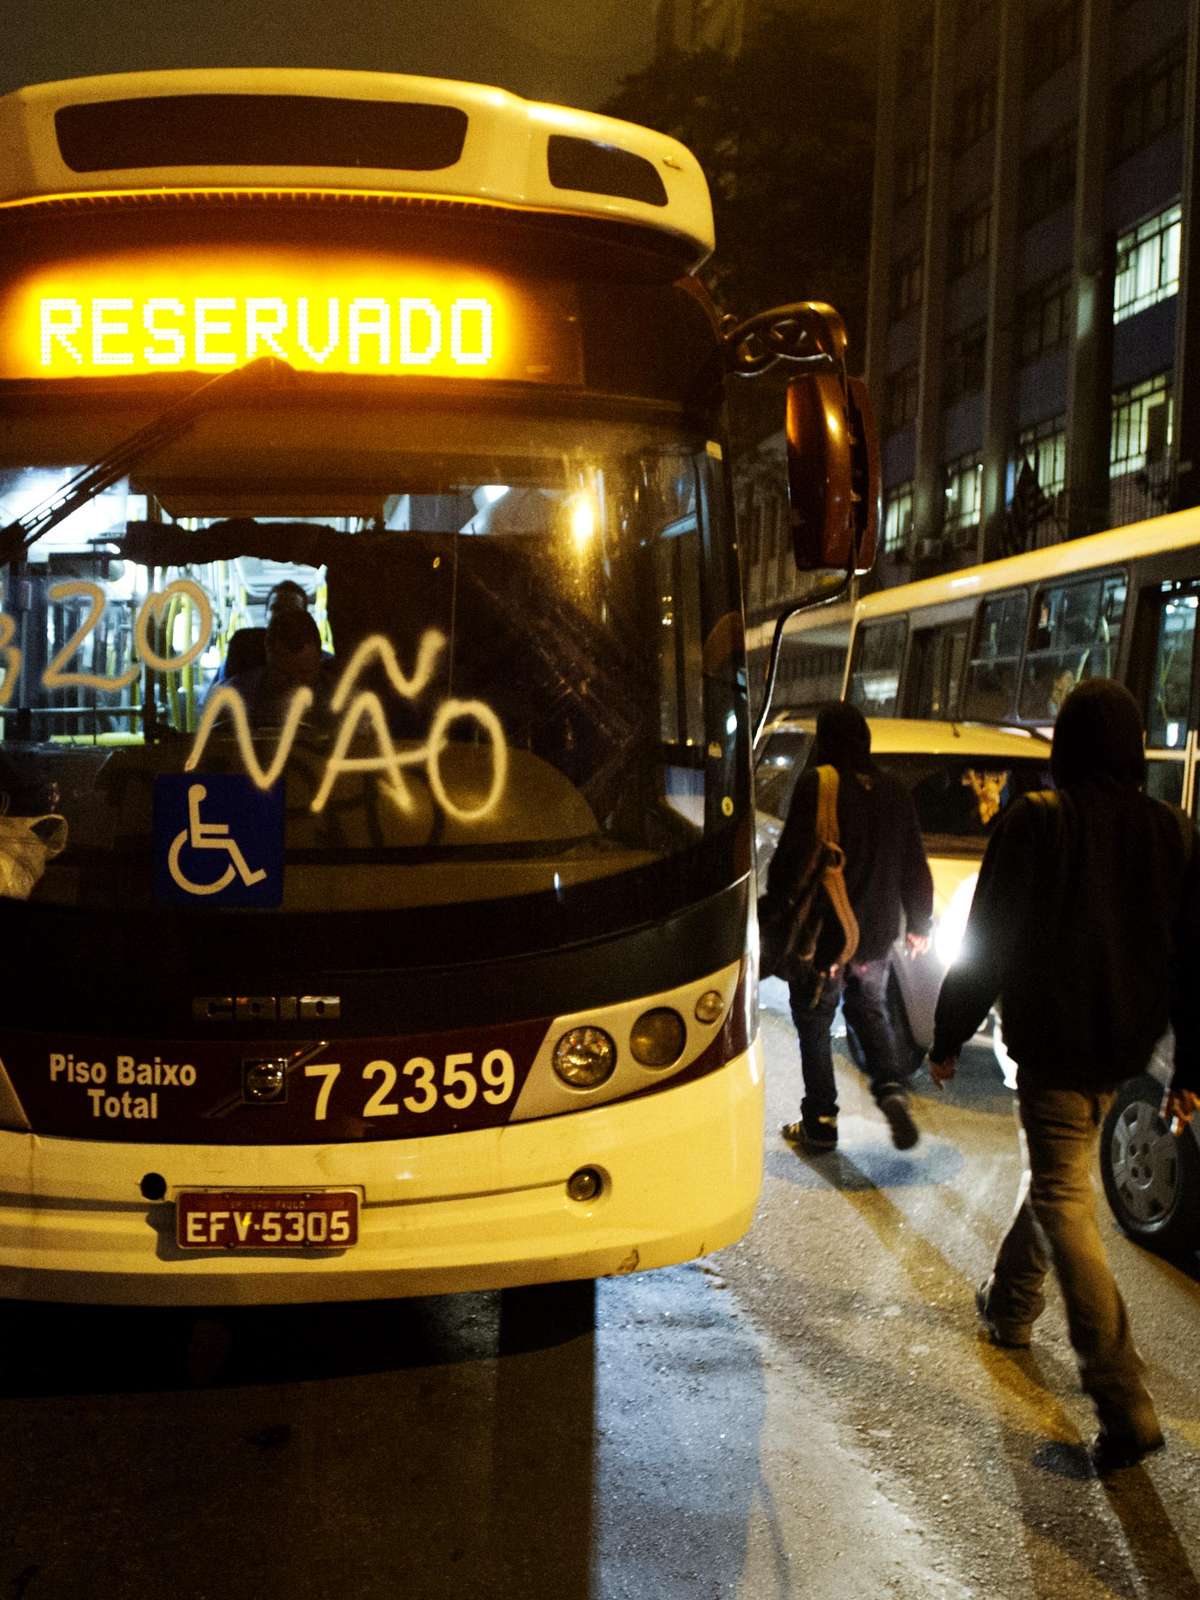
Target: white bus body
1006,641
400,947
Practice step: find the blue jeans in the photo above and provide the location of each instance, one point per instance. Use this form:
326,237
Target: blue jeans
1055,1224
862,987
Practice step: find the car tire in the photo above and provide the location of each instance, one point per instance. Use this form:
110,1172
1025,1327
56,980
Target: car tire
1151,1177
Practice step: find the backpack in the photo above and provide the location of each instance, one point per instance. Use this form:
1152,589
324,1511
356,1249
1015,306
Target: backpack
797,931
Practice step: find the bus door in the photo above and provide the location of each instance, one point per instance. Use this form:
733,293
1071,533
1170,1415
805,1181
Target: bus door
935,671
876,667
1166,680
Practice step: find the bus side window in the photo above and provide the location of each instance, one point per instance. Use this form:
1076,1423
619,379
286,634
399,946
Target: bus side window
1169,691
1161,675
991,687
935,672
1076,637
875,672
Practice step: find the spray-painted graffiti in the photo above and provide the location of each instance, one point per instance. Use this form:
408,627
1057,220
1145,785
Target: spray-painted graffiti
57,676
361,713
363,709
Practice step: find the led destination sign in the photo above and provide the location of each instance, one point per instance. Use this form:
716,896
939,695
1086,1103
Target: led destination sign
155,311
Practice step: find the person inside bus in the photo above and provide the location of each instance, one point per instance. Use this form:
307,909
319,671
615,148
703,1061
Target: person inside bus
247,648
286,595
293,659
887,878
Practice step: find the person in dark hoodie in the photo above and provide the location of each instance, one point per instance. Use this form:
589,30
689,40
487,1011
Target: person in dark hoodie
1086,925
887,878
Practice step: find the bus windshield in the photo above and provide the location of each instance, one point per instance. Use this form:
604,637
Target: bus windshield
462,649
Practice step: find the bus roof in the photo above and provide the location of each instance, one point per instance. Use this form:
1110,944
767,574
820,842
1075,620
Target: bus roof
1175,531
386,135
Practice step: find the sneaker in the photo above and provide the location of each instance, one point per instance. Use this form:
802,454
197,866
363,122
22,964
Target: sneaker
1110,1452
1008,1335
819,1134
905,1132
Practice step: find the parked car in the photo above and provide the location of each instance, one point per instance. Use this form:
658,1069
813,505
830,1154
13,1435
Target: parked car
961,776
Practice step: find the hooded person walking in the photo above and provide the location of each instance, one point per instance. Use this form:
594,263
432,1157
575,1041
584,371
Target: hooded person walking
887,880
1086,925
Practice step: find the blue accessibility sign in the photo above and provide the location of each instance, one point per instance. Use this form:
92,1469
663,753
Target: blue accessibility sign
218,840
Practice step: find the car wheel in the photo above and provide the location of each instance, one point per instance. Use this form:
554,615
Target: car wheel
1151,1177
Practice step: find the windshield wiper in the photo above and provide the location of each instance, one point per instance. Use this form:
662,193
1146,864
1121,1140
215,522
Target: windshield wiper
20,535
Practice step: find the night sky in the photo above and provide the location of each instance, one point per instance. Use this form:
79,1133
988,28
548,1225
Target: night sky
570,51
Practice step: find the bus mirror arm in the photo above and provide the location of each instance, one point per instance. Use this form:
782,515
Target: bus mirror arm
833,494
823,597
20,535
809,334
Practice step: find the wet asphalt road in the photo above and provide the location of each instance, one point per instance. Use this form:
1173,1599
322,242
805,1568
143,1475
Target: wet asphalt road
808,1414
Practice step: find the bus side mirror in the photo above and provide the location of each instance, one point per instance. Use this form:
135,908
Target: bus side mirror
833,473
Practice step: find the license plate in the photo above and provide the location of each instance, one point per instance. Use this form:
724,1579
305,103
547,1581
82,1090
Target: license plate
311,1219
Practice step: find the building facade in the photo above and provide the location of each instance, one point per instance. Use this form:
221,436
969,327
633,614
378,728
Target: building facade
1033,347
1034,328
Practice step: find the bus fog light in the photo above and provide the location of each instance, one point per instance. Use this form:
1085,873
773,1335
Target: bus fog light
709,1006
658,1037
585,1057
585,1184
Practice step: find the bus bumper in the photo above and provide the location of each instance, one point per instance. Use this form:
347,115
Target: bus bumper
484,1210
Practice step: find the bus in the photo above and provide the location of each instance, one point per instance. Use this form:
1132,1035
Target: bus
1006,641
375,823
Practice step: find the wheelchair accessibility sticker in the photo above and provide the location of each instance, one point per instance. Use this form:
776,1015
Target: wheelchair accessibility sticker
218,840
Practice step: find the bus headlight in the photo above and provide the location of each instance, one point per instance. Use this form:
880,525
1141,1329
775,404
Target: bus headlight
658,1037
952,924
585,1057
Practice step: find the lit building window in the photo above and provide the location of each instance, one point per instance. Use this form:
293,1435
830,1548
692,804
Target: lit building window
1147,263
1043,448
1037,476
897,519
964,497
1141,426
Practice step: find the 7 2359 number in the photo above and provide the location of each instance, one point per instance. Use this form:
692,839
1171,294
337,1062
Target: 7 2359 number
421,1085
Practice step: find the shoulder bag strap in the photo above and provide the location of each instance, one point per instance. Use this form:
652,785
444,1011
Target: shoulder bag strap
835,857
827,794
